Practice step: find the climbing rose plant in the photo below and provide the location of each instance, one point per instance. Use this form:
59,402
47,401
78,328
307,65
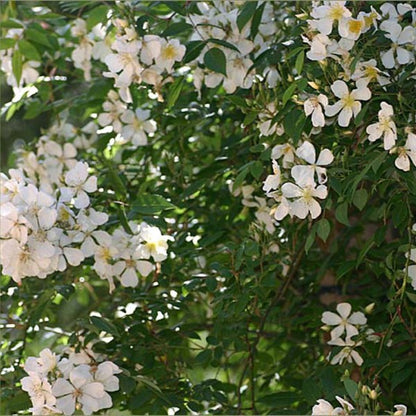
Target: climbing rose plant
211,210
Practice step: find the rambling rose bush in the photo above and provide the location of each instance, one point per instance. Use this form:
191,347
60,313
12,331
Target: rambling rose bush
217,212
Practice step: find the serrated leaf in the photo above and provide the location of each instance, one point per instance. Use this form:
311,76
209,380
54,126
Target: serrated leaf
28,50
215,60
246,13
151,204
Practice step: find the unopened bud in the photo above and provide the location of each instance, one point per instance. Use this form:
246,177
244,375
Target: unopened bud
369,308
364,390
325,328
373,395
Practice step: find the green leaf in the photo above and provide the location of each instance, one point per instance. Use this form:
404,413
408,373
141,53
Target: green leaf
310,239
288,93
37,36
324,228
351,387
246,13
240,178
150,204
360,198
367,246
7,43
28,50
341,213
345,268
223,43
11,24
140,23
176,28
193,49
177,7
256,169
280,399
174,92
97,15
255,23
215,60
104,325
17,65
211,283
401,376
300,59
65,290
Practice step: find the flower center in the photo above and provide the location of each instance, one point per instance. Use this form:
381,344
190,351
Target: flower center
348,101
307,194
152,246
370,72
355,26
336,12
169,52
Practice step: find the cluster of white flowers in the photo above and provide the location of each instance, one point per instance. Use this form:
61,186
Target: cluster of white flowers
346,322
386,130
324,408
62,384
309,174
218,21
130,126
48,223
121,255
332,14
133,60
88,45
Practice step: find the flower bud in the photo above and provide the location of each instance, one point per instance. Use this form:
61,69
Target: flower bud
364,390
372,395
369,308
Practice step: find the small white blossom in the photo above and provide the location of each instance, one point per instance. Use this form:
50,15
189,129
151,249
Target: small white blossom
385,128
344,321
349,103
